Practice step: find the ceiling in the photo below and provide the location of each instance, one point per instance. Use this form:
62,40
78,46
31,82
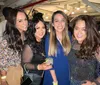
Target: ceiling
71,7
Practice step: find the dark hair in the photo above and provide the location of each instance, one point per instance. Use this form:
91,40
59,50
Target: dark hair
6,12
34,12
36,18
11,33
92,41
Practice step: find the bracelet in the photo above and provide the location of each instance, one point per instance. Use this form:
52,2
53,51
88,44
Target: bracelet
38,67
55,83
3,77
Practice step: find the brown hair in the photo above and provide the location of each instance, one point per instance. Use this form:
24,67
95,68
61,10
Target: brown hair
92,41
65,37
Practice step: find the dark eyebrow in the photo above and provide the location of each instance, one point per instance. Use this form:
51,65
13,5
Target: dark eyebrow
21,19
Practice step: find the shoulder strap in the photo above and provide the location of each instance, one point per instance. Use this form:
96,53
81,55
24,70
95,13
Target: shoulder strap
26,71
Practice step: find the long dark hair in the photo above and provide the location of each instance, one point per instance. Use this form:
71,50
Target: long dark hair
31,31
11,33
92,42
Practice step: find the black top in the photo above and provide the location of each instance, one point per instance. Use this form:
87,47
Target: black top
38,54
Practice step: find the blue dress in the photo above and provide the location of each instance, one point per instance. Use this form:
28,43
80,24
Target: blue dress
60,65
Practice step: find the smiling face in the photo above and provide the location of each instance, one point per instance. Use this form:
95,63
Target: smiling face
21,22
80,31
59,23
40,30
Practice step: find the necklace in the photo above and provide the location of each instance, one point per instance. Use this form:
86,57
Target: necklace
59,40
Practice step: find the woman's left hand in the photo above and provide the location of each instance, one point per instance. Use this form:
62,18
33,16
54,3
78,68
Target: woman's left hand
4,82
97,54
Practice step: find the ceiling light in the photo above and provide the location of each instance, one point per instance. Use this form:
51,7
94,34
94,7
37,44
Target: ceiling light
46,17
73,13
65,11
85,11
78,8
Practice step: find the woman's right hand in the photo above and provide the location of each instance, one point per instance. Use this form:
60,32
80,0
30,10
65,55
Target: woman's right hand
97,54
4,82
44,66
3,74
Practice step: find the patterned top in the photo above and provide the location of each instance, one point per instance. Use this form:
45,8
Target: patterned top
8,57
81,69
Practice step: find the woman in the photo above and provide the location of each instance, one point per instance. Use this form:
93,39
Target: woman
11,48
34,56
85,53
57,47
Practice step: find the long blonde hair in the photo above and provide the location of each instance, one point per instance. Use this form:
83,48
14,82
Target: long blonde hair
65,37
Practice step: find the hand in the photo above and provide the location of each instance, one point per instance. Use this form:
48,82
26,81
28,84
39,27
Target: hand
88,83
3,73
97,54
4,82
44,66
98,79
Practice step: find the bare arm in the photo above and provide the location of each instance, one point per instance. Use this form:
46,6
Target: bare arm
53,74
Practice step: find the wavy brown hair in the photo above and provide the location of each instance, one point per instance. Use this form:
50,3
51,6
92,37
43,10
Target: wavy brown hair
11,33
92,42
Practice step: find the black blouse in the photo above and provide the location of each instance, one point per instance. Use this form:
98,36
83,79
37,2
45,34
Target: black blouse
38,54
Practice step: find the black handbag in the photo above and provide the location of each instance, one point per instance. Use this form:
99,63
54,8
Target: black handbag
30,78
26,80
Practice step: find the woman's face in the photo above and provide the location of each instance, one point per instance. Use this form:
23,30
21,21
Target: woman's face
59,23
40,30
80,31
21,22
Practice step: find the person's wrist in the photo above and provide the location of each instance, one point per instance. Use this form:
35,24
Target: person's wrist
3,80
38,67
